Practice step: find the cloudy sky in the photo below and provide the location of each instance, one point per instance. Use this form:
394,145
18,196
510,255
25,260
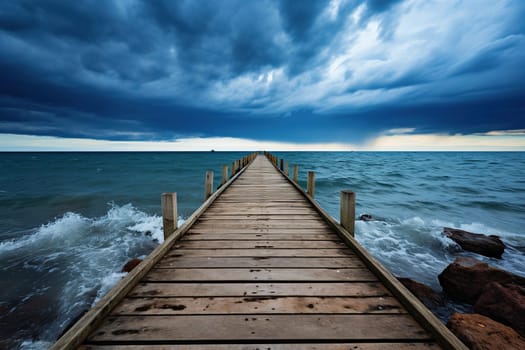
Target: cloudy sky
228,74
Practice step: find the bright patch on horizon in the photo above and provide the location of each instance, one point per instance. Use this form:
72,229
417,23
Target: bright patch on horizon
387,142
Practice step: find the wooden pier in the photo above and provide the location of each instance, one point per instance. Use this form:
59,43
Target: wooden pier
259,266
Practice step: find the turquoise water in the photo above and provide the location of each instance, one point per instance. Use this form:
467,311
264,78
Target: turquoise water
69,221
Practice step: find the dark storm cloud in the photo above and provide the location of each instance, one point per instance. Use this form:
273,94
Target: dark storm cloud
161,69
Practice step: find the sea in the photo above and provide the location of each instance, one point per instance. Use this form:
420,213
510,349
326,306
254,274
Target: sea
70,221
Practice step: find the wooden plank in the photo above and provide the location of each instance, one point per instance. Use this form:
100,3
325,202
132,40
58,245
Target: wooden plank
266,205
226,230
263,274
321,253
272,346
259,225
207,262
347,289
221,244
292,218
258,196
258,328
197,236
261,211
258,305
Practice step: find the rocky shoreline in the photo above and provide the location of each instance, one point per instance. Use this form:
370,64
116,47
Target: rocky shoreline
497,297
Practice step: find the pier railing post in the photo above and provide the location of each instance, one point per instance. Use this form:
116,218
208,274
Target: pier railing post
310,184
295,173
282,164
208,185
286,168
348,211
224,174
169,213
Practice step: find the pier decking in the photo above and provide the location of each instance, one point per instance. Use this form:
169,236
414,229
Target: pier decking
260,267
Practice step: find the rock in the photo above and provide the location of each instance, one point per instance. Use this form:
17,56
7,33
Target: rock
490,246
424,293
481,333
130,265
505,304
465,278
366,217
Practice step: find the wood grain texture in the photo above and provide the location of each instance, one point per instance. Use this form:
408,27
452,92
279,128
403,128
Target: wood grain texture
259,305
259,274
341,289
252,262
271,346
201,236
220,244
255,327
321,253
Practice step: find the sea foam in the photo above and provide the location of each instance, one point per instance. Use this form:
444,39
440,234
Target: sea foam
77,260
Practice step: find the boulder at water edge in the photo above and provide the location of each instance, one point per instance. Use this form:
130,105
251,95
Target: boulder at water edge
424,293
366,217
505,304
130,265
490,246
481,333
465,278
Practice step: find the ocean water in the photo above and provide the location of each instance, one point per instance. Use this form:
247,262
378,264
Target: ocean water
70,221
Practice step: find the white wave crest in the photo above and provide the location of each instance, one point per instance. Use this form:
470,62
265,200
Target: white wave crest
80,258
417,248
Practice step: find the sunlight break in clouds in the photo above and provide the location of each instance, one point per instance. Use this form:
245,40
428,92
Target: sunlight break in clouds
386,142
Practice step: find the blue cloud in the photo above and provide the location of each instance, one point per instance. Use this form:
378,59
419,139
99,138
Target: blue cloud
338,70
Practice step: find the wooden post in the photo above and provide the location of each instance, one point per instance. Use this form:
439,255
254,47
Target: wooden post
310,184
208,185
169,213
233,169
224,174
295,173
286,168
282,165
348,211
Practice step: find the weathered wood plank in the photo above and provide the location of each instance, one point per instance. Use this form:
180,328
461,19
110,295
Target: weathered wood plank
226,230
263,274
240,327
262,211
321,253
221,244
257,218
265,205
228,262
260,224
258,305
197,236
268,346
347,289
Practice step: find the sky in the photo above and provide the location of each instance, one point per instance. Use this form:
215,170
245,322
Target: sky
262,74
